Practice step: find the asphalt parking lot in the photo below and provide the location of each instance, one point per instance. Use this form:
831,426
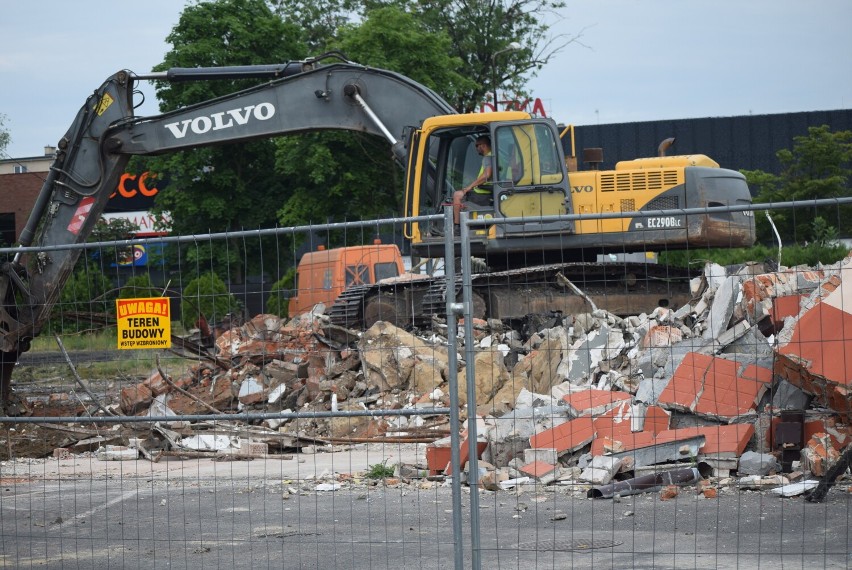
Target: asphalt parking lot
321,513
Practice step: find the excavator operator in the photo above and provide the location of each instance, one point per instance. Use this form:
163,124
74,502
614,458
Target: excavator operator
474,191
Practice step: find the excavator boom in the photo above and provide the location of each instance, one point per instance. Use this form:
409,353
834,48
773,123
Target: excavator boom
105,134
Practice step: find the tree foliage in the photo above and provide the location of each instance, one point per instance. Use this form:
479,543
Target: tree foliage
278,302
818,166
391,38
480,30
230,186
5,136
294,180
83,299
207,295
477,30
139,287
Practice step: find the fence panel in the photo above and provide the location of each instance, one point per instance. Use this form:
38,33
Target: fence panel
637,411
664,416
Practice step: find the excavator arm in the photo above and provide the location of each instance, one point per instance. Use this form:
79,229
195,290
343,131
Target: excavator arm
93,153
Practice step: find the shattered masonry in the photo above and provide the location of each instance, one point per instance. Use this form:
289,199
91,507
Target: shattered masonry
751,377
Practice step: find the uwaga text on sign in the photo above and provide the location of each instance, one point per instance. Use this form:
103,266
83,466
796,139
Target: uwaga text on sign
144,323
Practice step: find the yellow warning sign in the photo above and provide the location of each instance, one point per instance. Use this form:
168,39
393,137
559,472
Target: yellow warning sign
104,104
144,323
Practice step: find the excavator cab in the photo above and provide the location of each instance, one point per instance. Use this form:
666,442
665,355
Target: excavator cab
528,178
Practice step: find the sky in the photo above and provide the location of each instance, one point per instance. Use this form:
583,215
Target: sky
634,60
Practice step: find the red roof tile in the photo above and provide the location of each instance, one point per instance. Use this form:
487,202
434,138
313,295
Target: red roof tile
537,468
710,386
823,337
568,436
587,401
720,439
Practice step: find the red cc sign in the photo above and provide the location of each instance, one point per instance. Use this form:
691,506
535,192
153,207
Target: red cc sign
129,186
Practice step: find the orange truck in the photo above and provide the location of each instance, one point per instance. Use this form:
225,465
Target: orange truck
323,275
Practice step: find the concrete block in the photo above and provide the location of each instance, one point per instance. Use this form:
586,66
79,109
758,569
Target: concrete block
253,449
545,454
752,463
62,453
601,470
502,452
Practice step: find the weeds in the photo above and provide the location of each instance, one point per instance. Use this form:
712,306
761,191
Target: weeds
380,471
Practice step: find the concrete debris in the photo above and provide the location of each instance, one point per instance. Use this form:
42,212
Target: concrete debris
752,377
795,489
752,463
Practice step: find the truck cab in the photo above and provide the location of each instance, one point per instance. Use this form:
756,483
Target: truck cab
323,275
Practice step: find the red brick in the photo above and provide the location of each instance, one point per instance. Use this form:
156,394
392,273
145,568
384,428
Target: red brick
730,400
464,454
710,386
783,307
624,442
135,398
613,423
758,373
662,335
656,419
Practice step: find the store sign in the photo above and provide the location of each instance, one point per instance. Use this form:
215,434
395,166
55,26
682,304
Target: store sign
131,185
146,222
531,106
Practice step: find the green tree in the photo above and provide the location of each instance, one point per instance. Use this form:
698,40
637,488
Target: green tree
231,186
116,229
818,166
479,30
5,137
84,303
319,19
208,295
391,38
139,287
344,175
278,302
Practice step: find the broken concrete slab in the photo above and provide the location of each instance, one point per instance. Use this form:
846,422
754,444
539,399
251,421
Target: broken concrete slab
795,489
671,451
752,463
543,454
722,307
601,470
813,351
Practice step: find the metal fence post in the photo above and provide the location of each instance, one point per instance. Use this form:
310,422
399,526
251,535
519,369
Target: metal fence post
453,381
470,377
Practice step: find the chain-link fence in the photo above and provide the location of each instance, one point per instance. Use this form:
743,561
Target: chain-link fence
632,408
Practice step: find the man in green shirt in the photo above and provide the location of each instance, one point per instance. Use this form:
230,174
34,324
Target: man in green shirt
474,192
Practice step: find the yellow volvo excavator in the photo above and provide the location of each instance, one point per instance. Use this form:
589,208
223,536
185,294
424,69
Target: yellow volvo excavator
427,136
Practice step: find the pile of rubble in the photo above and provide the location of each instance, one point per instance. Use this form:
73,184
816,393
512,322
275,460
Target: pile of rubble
752,377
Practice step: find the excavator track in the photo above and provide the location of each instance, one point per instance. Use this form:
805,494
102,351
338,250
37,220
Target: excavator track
620,288
347,310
